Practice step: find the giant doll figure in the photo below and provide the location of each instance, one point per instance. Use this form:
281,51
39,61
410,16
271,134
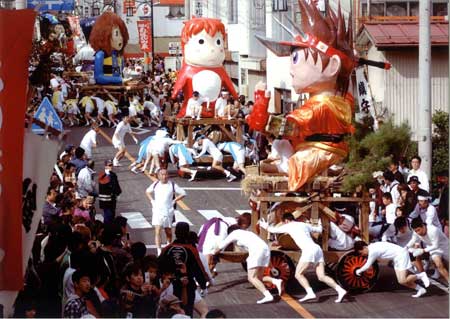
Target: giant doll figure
322,61
202,41
108,38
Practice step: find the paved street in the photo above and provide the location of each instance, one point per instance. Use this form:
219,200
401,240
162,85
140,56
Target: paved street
207,198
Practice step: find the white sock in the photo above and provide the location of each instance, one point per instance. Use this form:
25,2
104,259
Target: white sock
267,297
227,172
158,251
309,291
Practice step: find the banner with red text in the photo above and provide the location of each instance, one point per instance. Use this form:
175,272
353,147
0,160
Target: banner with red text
15,50
145,35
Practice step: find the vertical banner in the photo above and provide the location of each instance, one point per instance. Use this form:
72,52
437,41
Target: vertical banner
14,56
366,107
145,35
37,170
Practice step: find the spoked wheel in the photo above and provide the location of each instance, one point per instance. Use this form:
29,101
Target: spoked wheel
280,267
346,277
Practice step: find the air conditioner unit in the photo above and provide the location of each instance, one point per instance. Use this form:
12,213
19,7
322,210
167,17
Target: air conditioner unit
243,90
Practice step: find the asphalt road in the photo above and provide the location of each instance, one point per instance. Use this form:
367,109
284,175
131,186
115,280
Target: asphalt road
232,293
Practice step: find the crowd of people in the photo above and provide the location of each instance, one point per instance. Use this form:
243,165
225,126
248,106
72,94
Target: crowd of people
83,267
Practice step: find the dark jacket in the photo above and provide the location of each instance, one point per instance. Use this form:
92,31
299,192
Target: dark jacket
108,189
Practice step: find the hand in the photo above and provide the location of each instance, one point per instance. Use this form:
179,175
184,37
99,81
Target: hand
417,252
184,281
358,272
263,224
135,140
146,288
204,292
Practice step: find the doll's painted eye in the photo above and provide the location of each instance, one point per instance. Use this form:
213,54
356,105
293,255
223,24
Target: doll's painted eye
295,57
201,41
218,42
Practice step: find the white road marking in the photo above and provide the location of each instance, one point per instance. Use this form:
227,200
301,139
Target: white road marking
438,284
179,217
210,213
242,211
212,188
136,220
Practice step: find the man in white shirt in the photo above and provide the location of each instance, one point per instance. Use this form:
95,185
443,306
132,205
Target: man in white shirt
400,257
427,212
209,147
163,195
221,103
182,156
118,139
85,180
237,151
90,140
278,159
194,106
100,109
311,253
390,208
257,261
391,186
157,148
421,175
154,111
435,242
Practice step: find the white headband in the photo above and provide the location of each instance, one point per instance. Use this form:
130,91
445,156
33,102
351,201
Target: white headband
420,197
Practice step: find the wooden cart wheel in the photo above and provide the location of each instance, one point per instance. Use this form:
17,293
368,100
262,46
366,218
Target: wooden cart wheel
346,277
280,267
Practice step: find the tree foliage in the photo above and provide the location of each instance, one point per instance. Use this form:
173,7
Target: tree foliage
372,151
440,142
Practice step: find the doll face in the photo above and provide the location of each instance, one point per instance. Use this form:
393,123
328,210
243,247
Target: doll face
116,39
204,50
308,77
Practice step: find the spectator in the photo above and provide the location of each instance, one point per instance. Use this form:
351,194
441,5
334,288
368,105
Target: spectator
76,303
215,313
421,175
169,306
182,256
393,167
80,160
50,211
391,186
109,189
442,179
425,210
136,296
413,183
85,182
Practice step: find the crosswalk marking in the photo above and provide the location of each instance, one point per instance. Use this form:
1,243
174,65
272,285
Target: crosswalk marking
136,220
242,211
439,285
210,213
212,188
179,217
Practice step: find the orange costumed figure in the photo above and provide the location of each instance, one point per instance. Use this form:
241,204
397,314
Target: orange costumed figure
202,41
322,61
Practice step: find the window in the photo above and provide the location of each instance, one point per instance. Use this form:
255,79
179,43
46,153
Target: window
232,11
279,5
414,9
95,12
439,9
396,9
377,9
258,14
130,11
86,11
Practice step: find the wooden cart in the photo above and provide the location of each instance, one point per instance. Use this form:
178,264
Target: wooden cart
314,200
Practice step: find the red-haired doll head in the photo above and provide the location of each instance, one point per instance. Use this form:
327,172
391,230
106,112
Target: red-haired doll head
109,33
202,40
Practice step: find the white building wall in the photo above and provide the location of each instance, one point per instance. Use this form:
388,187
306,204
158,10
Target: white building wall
165,27
401,85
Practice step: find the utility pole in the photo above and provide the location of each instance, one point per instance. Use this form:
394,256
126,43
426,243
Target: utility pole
424,109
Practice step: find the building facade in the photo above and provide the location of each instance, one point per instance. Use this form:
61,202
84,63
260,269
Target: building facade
389,31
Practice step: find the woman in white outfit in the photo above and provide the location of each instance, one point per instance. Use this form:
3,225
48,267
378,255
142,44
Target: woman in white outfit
311,253
258,259
209,147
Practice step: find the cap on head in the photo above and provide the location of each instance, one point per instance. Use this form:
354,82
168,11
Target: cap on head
414,179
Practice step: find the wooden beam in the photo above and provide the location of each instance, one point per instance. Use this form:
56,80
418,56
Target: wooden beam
325,231
299,211
227,133
326,210
364,220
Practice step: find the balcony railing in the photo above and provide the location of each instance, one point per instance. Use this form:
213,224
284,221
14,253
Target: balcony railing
377,19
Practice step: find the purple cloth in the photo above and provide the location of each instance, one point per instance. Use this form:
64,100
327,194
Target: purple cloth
202,236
